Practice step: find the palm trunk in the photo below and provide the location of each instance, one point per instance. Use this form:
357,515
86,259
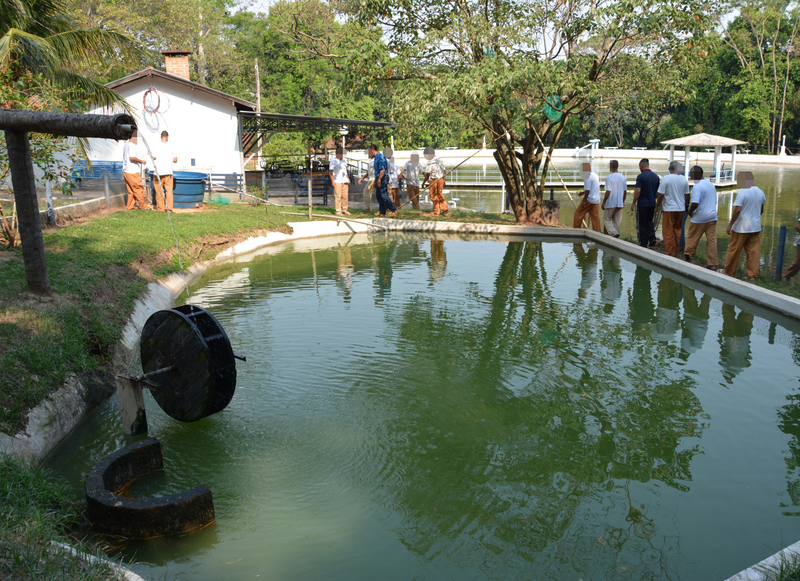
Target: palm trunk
30,228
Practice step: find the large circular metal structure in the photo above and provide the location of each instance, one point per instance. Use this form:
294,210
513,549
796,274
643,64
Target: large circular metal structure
201,378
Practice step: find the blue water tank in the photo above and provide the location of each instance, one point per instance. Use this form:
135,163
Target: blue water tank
188,189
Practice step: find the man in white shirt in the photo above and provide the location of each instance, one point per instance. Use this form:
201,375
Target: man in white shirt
132,162
745,226
672,198
411,173
369,189
590,204
703,213
616,192
341,181
164,158
395,173
435,171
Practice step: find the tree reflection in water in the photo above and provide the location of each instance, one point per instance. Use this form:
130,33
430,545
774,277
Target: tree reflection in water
555,413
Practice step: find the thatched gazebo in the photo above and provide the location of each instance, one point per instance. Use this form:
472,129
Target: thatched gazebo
706,140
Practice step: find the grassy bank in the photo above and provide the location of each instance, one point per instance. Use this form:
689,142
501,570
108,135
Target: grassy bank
97,269
36,511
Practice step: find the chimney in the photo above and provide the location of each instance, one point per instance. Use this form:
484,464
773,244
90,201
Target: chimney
177,62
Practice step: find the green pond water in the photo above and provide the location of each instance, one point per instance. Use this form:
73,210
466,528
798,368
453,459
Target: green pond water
781,184
485,409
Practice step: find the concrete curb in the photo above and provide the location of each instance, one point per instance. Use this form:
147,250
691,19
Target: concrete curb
767,568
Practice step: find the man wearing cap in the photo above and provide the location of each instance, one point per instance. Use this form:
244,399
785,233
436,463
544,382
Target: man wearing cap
411,175
132,172
382,182
341,181
395,174
434,171
745,226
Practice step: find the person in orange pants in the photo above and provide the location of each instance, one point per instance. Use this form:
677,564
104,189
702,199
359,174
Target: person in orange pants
590,203
434,171
132,172
165,157
673,198
745,227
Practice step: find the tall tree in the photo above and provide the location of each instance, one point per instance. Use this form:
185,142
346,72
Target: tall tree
40,37
763,37
499,62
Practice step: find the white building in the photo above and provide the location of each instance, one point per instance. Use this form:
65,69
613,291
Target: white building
203,124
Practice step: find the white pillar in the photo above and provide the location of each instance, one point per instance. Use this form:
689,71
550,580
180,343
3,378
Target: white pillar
717,164
733,163
671,153
686,162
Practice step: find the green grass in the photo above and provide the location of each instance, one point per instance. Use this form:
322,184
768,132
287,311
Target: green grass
35,512
97,269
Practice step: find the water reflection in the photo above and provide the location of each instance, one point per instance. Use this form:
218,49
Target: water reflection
734,341
573,412
499,415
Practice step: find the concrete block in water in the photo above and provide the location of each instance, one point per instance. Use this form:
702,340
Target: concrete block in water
142,518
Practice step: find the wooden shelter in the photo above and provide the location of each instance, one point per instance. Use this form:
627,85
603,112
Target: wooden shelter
706,140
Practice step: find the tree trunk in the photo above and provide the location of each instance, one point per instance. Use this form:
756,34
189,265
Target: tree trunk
30,228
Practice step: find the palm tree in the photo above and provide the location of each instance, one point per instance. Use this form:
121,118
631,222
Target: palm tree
40,37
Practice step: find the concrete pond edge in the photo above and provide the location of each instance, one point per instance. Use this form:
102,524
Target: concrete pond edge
52,420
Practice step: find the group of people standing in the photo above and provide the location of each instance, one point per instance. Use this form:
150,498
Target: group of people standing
383,178
674,198
133,162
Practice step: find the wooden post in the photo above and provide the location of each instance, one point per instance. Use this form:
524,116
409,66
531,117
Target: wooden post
105,185
30,228
131,406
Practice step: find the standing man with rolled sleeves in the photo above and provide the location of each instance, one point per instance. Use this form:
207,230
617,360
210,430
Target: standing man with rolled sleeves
614,201
590,204
341,182
703,214
165,157
132,162
435,171
672,198
745,227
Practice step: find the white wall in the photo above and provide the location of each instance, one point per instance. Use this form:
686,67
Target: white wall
200,126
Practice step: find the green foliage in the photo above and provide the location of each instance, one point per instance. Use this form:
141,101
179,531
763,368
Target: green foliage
36,511
40,37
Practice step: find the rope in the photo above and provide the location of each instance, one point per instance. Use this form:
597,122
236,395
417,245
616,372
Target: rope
169,214
149,108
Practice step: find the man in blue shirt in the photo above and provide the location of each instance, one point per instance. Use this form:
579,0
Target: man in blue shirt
382,182
644,203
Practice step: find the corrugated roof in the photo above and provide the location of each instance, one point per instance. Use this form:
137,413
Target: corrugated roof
240,104
704,140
